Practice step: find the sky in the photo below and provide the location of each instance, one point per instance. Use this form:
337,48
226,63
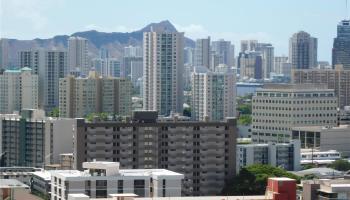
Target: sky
272,21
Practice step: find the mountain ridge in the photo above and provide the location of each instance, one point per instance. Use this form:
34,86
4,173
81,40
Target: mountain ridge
112,41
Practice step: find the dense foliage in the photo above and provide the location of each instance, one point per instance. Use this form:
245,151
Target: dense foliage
245,119
252,180
341,165
55,112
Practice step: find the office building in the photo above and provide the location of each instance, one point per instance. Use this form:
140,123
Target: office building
250,65
163,72
303,51
203,151
132,58
18,89
133,51
108,67
213,94
103,178
278,64
225,50
202,52
4,54
248,45
337,79
32,140
78,59
49,65
189,54
267,54
324,138
284,155
341,45
277,108
94,94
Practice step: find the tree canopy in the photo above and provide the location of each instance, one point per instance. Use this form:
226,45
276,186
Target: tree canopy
340,165
252,180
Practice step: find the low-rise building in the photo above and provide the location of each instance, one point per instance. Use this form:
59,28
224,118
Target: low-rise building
312,156
22,174
326,189
40,183
324,138
285,155
103,178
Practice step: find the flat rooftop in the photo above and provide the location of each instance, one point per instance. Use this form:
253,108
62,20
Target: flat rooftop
123,172
11,184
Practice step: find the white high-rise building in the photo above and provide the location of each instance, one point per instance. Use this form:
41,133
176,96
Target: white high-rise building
49,65
132,57
163,71
78,55
267,53
248,45
213,93
279,60
225,50
18,90
133,51
202,52
108,67
303,51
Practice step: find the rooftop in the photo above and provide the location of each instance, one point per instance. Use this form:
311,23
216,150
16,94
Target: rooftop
11,183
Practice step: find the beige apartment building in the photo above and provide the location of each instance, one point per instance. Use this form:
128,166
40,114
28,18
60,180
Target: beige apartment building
203,151
337,79
79,97
18,89
277,108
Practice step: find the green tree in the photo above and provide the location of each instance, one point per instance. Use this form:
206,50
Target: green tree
341,165
245,109
55,112
245,119
252,180
187,112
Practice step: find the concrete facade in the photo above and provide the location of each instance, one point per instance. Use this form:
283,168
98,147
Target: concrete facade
213,94
18,89
94,94
337,79
303,51
324,138
203,151
285,155
103,178
277,108
163,71
32,140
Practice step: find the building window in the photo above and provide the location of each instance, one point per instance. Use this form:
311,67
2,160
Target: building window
139,187
120,186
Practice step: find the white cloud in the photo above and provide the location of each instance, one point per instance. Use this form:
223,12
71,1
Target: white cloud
30,12
196,31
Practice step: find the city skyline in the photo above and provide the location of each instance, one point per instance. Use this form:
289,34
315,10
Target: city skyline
38,19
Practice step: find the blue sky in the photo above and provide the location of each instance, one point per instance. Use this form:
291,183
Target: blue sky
266,20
